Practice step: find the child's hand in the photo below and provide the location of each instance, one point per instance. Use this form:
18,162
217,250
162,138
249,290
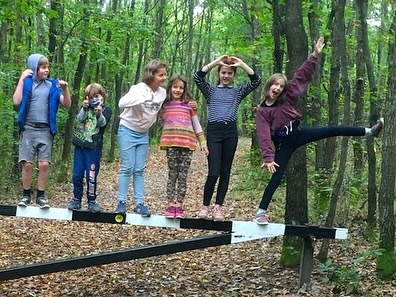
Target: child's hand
98,110
26,73
205,150
85,103
318,46
192,104
235,62
222,60
63,84
271,166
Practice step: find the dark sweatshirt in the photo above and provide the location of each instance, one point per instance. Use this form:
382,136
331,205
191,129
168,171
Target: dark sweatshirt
272,118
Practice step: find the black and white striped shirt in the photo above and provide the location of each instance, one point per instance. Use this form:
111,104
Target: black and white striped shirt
223,102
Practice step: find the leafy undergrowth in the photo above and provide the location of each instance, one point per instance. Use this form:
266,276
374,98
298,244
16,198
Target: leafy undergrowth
244,269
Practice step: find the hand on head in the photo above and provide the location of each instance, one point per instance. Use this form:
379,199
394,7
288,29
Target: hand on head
230,61
27,72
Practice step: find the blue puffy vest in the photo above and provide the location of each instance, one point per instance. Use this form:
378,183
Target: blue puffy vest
54,99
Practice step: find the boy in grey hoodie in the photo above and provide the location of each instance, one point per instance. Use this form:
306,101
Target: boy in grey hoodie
37,99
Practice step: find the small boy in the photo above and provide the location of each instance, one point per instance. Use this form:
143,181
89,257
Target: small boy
37,98
89,128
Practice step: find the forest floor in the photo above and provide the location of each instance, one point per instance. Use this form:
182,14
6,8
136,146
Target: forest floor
243,269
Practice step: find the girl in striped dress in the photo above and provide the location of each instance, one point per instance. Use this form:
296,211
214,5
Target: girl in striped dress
180,132
222,100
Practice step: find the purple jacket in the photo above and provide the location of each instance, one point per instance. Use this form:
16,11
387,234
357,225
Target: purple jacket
274,117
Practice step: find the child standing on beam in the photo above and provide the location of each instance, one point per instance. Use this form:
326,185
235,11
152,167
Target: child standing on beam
180,131
37,98
278,123
223,100
89,127
139,109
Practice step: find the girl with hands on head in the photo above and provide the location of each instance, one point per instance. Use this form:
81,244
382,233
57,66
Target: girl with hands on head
278,123
222,100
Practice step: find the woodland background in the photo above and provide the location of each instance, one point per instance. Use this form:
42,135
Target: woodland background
355,83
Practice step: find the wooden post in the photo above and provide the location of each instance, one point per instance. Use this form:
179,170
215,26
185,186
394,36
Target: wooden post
306,263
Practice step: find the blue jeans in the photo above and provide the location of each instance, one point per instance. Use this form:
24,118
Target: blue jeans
86,161
133,151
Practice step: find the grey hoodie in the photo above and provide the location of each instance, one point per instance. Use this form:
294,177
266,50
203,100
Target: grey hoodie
32,63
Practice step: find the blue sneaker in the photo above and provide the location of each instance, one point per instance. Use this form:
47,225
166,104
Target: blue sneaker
142,210
93,206
121,207
74,204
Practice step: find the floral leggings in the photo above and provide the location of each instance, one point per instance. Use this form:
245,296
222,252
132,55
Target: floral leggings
179,160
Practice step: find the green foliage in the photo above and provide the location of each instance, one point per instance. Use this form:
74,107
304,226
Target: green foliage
346,279
291,251
386,265
253,178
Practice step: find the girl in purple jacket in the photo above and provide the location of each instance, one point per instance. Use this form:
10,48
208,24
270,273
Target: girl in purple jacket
278,122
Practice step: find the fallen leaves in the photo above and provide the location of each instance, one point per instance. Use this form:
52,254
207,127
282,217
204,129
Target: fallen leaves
245,269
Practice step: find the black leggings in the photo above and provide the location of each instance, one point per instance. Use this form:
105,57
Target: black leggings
222,141
285,147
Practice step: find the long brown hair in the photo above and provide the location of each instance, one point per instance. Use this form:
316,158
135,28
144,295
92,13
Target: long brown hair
186,96
270,81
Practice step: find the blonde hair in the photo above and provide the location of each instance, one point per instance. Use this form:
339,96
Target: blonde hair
42,62
271,80
94,89
151,69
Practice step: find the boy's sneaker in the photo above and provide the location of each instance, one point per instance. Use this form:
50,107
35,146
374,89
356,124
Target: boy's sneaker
42,202
261,218
74,204
25,201
376,129
142,210
93,206
216,212
179,213
203,212
170,212
121,207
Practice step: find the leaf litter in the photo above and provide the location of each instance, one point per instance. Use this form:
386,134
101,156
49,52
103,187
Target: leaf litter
243,269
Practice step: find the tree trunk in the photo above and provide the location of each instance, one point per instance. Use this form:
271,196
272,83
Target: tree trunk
374,115
53,30
321,177
119,77
296,175
158,41
336,15
339,26
386,263
359,90
277,31
75,102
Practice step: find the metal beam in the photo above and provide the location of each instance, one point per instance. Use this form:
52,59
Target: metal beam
241,230
116,256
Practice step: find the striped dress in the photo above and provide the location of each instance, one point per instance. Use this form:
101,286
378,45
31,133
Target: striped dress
180,126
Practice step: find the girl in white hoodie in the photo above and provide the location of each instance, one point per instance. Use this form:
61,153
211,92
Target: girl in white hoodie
139,108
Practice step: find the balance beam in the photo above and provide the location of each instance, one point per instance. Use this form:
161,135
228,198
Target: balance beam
233,232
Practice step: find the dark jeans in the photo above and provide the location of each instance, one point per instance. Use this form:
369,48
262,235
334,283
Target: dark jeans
222,141
286,145
86,162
